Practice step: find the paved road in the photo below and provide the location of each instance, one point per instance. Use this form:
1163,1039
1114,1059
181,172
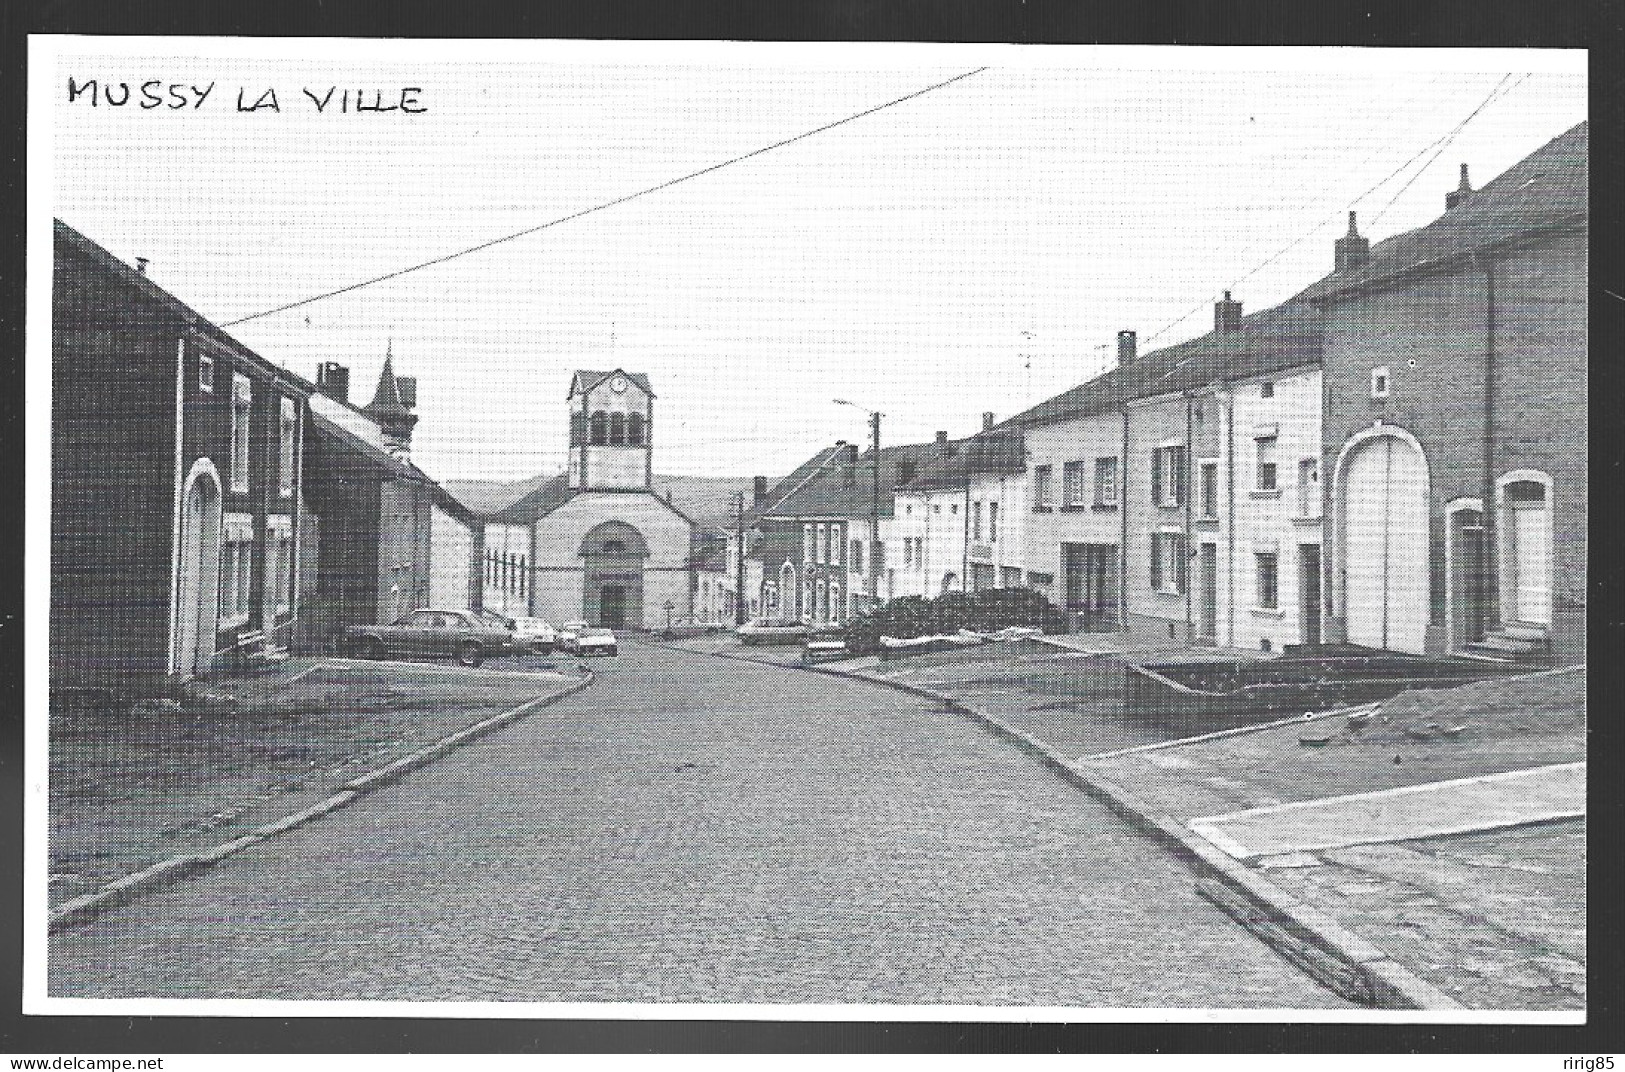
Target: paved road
699,829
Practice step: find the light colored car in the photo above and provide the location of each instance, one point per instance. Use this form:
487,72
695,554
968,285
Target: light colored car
769,631
566,634
595,641
535,634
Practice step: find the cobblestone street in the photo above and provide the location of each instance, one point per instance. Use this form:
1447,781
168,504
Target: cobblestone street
704,830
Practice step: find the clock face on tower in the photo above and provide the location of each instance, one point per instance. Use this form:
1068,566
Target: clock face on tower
618,384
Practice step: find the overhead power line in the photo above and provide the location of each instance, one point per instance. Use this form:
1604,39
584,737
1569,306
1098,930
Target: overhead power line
606,204
1442,142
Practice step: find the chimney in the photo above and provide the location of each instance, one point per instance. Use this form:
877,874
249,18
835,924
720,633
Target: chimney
849,454
407,388
1127,347
1352,250
942,439
1460,194
141,265
987,421
758,491
1226,315
333,380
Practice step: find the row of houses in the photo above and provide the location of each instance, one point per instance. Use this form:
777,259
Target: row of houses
209,506
1394,457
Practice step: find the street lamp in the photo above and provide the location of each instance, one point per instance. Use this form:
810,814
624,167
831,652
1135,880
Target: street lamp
874,505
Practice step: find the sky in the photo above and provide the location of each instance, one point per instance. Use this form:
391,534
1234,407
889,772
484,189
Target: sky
975,248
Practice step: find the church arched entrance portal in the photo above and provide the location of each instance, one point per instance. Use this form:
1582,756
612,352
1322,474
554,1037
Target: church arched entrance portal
613,556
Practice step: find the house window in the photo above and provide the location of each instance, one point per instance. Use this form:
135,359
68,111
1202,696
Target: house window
993,522
242,408
976,521
279,579
936,508
1168,562
1268,580
1209,501
634,429
809,544
1309,487
1266,389
1072,483
205,371
1105,481
857,556
953,508
287,430
600,428
1266,463
1379,382
908,551
1043,492
236,568
1168,476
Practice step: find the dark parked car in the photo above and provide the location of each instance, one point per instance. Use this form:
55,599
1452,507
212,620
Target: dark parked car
457,633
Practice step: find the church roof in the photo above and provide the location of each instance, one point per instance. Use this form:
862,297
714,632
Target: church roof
544,499
586,379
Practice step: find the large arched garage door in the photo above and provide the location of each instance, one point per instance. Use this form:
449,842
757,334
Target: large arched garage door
1384,500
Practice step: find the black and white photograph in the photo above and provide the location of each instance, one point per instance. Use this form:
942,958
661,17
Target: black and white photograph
705,530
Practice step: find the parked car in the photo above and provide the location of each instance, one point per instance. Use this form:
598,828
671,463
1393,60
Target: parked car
768,631
595,641
535,634
566,634
825,642
468,637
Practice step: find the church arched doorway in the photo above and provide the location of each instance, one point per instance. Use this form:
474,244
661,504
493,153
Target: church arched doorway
613,555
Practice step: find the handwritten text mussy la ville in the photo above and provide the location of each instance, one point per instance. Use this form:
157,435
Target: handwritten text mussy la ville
155,93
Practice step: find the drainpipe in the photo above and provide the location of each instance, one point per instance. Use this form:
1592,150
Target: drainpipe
964,571
1122,519
1230,515
1185,493
1491,519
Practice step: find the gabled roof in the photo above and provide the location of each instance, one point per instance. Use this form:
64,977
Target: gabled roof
835,483
586,379
1548,188
1279,338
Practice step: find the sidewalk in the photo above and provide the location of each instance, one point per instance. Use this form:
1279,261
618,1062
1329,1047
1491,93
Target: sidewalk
1473,886
129,787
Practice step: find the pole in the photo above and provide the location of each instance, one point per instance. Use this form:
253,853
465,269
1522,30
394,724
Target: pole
739,557
874,518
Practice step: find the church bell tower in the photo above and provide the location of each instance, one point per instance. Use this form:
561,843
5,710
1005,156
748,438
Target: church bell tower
611,414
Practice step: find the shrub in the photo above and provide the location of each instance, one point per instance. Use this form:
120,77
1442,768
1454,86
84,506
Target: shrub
985,611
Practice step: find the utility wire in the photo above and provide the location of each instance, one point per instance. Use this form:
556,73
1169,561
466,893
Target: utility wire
606,204
1444,138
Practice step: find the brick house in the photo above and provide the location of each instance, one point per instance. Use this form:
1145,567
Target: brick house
176,490
1455,420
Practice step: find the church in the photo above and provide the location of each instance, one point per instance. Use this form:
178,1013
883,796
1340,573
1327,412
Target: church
595,543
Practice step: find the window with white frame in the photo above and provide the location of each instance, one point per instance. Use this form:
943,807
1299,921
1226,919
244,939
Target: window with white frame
1072,483
287,441
809,544
976,521
242,409
205,370
857,556
1105,481
908,550
1269,579
993,522
1168,562
1168,475
1043,490
279,552
1309,487
1208,490
236,568
1379,382
1267,480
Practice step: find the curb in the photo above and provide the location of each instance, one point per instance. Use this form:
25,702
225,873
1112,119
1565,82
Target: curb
1313,941
166,873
